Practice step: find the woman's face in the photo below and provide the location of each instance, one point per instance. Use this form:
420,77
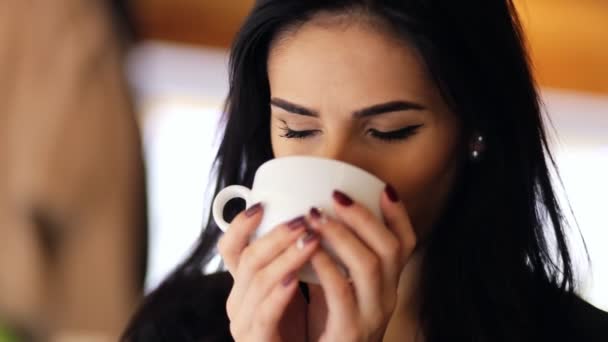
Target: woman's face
354,94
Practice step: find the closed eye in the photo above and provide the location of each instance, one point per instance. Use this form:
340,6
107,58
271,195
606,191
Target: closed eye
391,136
293,134
396,135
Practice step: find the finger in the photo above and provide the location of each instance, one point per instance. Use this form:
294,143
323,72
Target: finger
273,308
236,238
339,294
364,266
265,321
383,241
398,221
265,249
260,253
279,271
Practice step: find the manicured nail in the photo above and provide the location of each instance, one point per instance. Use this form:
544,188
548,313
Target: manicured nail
391,193
317,217
306,239
253,210
289,279
342,199
296,223
315,213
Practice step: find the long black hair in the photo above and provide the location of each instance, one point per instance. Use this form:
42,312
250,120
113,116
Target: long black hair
124,21
501,239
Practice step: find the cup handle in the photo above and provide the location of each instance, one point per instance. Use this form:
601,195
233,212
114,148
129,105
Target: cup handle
223,197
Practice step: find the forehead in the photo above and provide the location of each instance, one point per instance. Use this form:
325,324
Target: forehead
338,60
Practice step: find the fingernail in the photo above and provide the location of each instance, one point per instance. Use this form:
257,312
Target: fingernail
289,279
342,199
254,209
391,193
317,217
315,213
296,223
306,239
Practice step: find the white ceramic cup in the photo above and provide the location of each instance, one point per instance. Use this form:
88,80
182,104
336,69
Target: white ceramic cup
289,187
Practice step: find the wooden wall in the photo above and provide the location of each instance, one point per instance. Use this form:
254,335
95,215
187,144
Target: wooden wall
568,38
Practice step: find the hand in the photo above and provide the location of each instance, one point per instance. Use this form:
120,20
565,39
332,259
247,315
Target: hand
264,304
375,253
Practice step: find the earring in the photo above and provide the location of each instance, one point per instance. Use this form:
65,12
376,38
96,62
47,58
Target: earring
478,146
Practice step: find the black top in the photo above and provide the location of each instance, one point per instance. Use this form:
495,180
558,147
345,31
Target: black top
186,315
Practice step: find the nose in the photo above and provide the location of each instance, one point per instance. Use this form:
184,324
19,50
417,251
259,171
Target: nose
343,149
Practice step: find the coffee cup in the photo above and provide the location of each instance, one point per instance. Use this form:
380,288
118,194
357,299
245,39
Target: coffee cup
289,187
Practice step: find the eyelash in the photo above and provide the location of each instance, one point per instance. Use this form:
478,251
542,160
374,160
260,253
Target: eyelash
392,136
400,134
291,134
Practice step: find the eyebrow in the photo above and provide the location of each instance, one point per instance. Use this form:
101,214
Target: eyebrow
378,109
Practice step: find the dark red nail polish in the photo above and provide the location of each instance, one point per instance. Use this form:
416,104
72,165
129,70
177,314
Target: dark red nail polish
253,210
342,199
296,223
391,193
315,213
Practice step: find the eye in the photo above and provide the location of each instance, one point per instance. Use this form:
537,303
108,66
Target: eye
400,134
292,134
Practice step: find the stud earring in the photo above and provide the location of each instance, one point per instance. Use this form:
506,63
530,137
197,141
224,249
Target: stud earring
477,147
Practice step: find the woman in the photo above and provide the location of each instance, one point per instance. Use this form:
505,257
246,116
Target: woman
434,97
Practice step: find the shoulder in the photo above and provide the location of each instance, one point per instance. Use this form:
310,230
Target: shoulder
589,322
184,308
562,315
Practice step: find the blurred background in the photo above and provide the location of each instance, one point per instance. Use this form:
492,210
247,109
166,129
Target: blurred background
108,131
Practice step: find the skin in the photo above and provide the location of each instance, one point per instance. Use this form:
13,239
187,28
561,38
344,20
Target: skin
72,189
321,82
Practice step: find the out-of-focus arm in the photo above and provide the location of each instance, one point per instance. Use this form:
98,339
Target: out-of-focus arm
75,189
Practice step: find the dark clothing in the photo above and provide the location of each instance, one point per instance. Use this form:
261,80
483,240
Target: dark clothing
185,315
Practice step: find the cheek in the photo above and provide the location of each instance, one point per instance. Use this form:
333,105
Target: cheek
426,193
275,143
282,147
425,176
